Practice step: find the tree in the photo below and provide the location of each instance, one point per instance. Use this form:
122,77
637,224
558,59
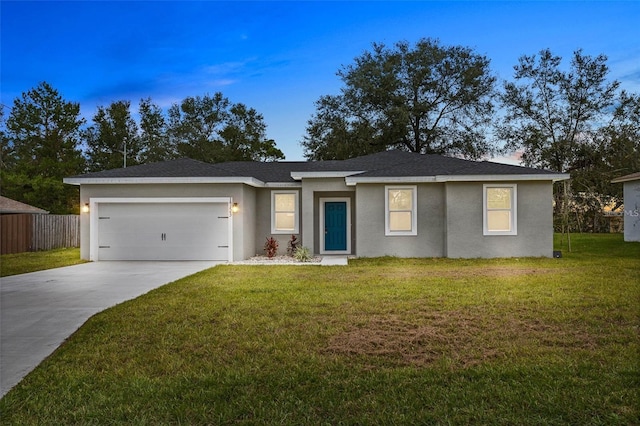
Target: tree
154,141
112,141
332,134
428,98
244,136
615,152
552,112
559,121
620,139
212,129
5,149
41,146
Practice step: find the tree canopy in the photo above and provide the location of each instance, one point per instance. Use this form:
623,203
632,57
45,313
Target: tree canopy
112,141
550,113
212,129
573,121
426,98
44,139
41,145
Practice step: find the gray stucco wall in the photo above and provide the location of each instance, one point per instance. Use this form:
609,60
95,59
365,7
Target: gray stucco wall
317,197
263,221
243,221
371,240
308,202
464,230
632,210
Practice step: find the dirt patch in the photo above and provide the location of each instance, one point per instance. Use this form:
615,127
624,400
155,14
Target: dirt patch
463,338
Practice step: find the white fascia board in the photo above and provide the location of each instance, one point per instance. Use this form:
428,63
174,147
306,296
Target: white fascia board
163,180
351,181
506,178
321,175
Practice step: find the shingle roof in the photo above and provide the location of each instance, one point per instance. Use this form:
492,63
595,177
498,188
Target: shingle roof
9,206
184,167
403,164
382,164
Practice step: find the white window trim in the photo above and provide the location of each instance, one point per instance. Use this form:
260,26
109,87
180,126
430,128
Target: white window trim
514,209
296,226
414,211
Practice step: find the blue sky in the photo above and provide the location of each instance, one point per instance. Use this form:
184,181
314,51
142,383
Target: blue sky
279,57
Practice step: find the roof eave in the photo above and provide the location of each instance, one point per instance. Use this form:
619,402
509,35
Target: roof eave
555,177
283,184
628,178
323,175
251,181
350,181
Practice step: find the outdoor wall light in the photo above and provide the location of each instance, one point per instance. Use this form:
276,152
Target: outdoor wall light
85,208
235,208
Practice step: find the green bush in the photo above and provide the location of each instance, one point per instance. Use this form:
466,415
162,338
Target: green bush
302,254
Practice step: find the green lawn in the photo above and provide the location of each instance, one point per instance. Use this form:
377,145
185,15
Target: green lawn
381,341
21,263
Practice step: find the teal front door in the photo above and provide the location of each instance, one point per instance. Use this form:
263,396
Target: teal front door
335,226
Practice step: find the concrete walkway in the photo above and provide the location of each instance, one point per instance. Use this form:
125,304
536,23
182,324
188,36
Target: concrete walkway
334,261
39,310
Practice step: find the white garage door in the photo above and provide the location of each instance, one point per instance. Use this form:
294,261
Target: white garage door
163,231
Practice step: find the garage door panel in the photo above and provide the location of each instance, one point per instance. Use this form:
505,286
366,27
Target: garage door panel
163,231
162,253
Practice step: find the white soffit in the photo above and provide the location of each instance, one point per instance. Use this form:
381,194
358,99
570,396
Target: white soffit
321,175
493,178
350,181
455,178
163,180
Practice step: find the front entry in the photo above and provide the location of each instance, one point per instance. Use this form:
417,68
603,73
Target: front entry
335,224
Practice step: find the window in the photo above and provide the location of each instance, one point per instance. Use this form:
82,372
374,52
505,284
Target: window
400,208
500,216
284,212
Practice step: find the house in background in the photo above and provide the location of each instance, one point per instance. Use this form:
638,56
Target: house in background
631,194
9,206
389,203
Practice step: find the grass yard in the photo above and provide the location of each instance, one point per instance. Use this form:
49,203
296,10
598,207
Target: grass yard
21,263
382,341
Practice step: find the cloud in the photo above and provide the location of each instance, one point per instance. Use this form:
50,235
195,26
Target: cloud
167,88
626,69
226,68
513,158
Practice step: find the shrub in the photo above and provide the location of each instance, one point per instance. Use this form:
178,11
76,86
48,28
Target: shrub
293,245
302,254
271,247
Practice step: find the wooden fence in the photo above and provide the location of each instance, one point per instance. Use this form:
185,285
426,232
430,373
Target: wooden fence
35,232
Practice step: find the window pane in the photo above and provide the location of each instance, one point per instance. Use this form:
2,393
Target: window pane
400,221
285,221
498,198
499,221
400,199
285,202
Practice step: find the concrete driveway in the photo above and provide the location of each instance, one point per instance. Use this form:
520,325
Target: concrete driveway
39,310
